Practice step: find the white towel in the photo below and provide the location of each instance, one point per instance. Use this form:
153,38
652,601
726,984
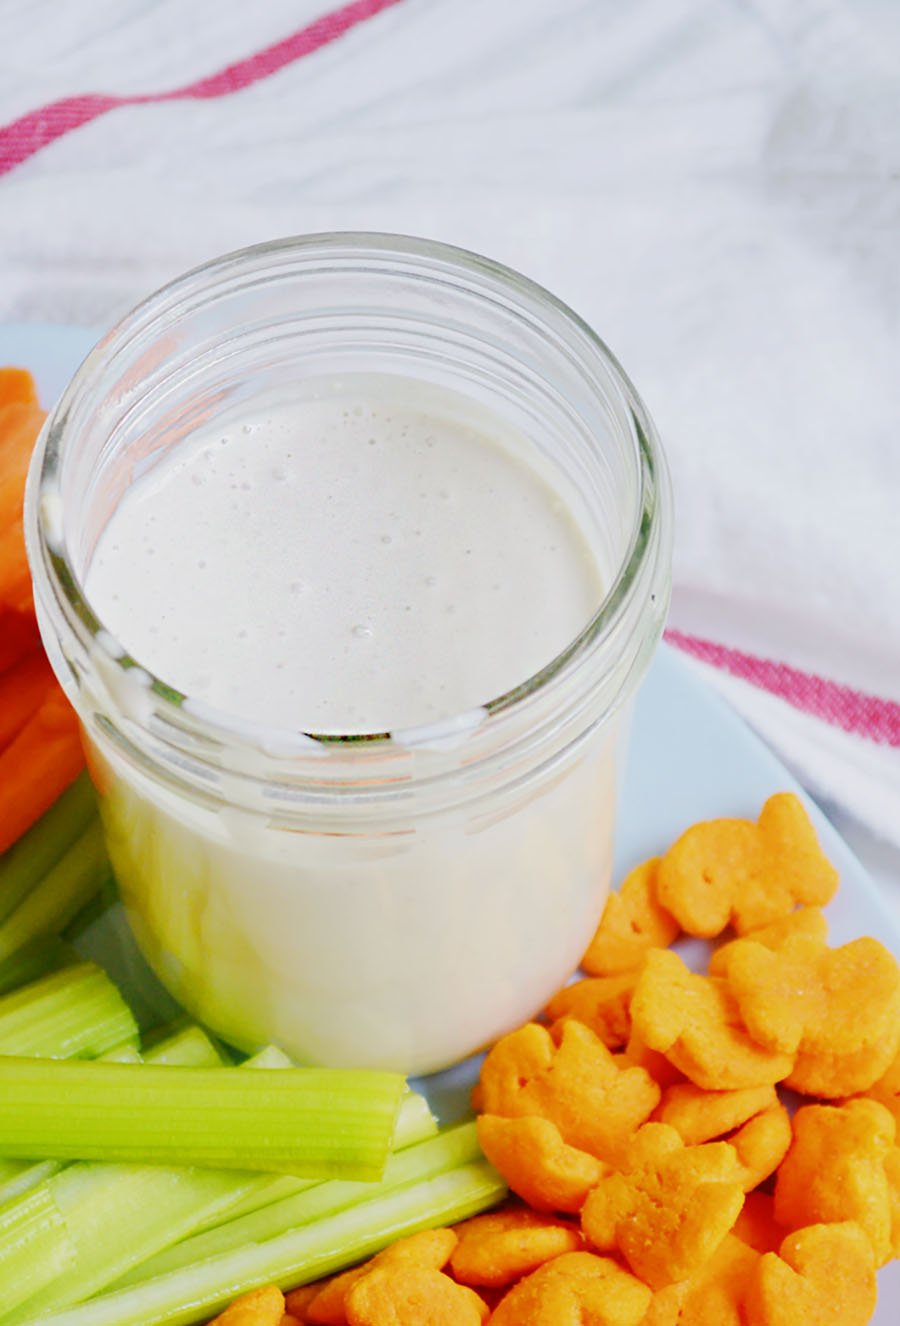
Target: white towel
713,184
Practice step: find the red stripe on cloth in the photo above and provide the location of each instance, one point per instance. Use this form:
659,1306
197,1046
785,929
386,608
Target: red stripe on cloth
20,139
865,715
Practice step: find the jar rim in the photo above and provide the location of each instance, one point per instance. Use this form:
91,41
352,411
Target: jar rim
650,507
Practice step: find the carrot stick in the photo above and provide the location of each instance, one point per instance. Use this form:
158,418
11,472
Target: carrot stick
22,690
19,427
15,578
18,636
17,387
38,765
20,424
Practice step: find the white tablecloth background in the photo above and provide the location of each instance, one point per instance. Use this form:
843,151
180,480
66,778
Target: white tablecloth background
714,184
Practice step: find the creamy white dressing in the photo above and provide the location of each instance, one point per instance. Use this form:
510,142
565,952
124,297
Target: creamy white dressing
373,555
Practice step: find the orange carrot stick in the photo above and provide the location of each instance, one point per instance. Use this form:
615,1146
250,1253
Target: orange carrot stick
22,690
18,636
19,427
20,424
15,577
38,765
17,387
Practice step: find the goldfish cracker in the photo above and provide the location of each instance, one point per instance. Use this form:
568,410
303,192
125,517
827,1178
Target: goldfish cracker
632,922
537,1164
602,1003
807,997
716,1294
835,1171
327,1307
261,1307
595,1101
887,1089
810,922
666,1304
298,1300
833,1076
756,1225
669,1209
288,1320
407,1294
892,1174
431,1248
761,1144
500,1247
695,1022
734,871
823,1275
510,1064
699,1116
661,1069
575,1289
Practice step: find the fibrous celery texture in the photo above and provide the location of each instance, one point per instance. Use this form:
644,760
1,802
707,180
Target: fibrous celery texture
314,1122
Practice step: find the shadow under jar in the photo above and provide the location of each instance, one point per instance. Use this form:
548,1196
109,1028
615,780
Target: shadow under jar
371,898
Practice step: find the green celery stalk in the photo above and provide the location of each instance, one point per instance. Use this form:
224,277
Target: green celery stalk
34,1247
120,1215
20,1176
73,1013
34,960
294,1257
189,1047
454,1147
27,861
415,1123
316,1122
60,894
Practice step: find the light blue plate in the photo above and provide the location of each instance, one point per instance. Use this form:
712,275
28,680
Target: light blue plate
691,758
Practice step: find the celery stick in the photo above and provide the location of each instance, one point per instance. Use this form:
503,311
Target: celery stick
415,1123
28,1174
34,1247
35,960
315,1122
28,860
60,895
118,1216
20,1176
76,1012
452,1148
189,1047
295,1257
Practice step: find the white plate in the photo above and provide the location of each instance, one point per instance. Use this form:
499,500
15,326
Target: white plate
691,758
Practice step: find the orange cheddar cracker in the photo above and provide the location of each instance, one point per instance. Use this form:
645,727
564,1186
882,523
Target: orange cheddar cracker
595,1100
695,1022
602,1003
633,921
700,1116
734,871
537,1164
668,1209
502,1246
576,1289
261,1307
835,1171
810,922
823,1275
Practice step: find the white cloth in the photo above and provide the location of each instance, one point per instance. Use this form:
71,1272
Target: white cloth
714,184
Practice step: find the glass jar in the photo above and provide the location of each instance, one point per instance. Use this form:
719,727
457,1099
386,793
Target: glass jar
394,900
